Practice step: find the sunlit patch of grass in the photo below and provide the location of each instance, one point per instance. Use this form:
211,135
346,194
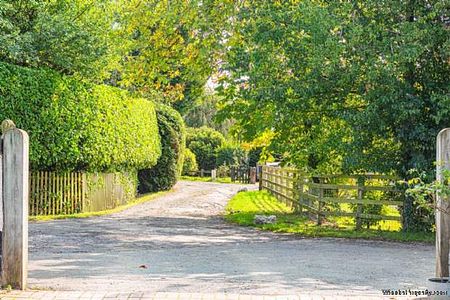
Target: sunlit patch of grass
242,208
384,225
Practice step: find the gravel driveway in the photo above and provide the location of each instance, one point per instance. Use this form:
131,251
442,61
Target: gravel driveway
180,243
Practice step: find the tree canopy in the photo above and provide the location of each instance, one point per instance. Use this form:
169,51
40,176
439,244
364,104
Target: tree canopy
69,36
347,85
172,46
336,85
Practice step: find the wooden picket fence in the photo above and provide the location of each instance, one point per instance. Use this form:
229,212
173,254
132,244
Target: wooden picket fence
53,193
321,196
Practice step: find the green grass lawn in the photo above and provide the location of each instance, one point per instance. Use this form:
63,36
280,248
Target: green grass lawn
208,179
242,208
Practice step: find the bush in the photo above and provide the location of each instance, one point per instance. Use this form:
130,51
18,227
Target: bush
164,175
78,126
254,155
190,162
223,171
230,155
204,143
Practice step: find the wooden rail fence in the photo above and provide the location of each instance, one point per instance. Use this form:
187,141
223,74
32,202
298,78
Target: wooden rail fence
322,196
201,173
243,174
53,193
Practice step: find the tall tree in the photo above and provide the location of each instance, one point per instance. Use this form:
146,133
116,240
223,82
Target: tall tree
173,46
70,36
342,84
203,111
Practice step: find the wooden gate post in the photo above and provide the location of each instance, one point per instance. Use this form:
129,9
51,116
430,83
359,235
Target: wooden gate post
442,205
252,175
15,206
261,170
359,206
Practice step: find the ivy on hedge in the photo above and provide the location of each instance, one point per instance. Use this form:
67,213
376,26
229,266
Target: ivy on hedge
164,175
78,126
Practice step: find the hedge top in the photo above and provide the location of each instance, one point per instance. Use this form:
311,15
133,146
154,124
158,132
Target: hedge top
78,126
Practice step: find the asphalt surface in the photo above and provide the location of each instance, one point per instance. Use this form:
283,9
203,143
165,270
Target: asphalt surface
179,242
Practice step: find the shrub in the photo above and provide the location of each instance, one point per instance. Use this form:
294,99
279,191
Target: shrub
173,140
254,155
78,126
231,155
223,171
190,162
204,143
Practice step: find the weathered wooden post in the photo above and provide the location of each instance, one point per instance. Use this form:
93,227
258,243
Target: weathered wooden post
252,174
442,205
320,201
15,206
261,178
359,206
213,174
299,188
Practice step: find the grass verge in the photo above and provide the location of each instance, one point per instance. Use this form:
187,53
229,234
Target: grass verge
134,202
242,208
208,179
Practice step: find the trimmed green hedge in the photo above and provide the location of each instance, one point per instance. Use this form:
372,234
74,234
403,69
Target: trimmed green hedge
75,125
204,143
165,174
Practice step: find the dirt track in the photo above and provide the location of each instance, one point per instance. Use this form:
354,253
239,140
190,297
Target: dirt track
186,246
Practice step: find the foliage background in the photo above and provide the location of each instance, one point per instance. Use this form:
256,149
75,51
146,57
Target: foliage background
204,143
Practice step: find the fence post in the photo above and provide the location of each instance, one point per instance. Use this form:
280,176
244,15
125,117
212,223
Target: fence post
359,207
442,205
252,175
261,178
213,174
15,168
202,173
299,181
319,209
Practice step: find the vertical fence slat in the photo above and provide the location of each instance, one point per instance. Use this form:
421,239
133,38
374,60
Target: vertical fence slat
72,200
31,207
54,192
66,202
76,189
